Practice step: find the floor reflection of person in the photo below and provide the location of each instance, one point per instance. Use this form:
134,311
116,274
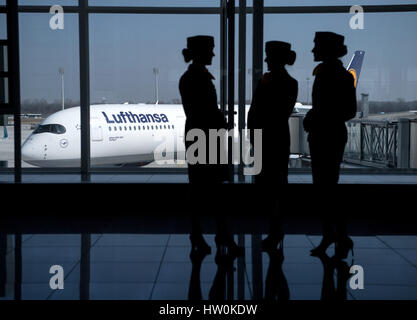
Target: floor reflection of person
197,256
276,285
225,264
329,291
3,264
224,259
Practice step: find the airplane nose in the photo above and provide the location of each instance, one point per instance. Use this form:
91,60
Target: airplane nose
29,151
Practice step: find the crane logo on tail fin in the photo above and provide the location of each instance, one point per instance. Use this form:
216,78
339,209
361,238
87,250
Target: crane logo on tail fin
355,77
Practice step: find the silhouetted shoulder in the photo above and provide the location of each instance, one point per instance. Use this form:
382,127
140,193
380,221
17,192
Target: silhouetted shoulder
184,79
292,81
195,82
292,86
193,75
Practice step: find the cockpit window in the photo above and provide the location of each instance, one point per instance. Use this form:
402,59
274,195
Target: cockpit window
51,128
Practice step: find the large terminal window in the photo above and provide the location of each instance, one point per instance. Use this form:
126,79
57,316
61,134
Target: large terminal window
388,70
386,89
134,59
136,62
155,3
6,120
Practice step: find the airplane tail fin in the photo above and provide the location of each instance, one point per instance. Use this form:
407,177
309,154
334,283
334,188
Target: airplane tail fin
355,65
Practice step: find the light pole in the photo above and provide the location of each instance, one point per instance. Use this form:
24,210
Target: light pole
61,72
156,72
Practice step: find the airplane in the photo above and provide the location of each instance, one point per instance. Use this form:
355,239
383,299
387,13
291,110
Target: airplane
121,134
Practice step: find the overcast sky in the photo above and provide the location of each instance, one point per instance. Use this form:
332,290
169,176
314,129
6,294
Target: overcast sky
124,49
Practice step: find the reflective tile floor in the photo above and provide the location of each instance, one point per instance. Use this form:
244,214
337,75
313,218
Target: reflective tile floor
146,266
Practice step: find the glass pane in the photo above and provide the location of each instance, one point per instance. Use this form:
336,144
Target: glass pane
274,3
48,2
156,3
3,59
49,75
3,26
389,71
126,68
248,81
388,74
4,90
6,146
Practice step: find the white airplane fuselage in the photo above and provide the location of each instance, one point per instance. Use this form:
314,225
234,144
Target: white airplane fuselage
119,134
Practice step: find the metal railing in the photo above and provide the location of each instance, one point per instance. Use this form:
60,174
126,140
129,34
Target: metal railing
372,142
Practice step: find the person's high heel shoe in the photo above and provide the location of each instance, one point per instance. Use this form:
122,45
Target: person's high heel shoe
326,241
343,246
198,244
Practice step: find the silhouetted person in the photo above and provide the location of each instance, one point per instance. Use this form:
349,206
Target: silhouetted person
199,100
334,103
272,104
276,285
